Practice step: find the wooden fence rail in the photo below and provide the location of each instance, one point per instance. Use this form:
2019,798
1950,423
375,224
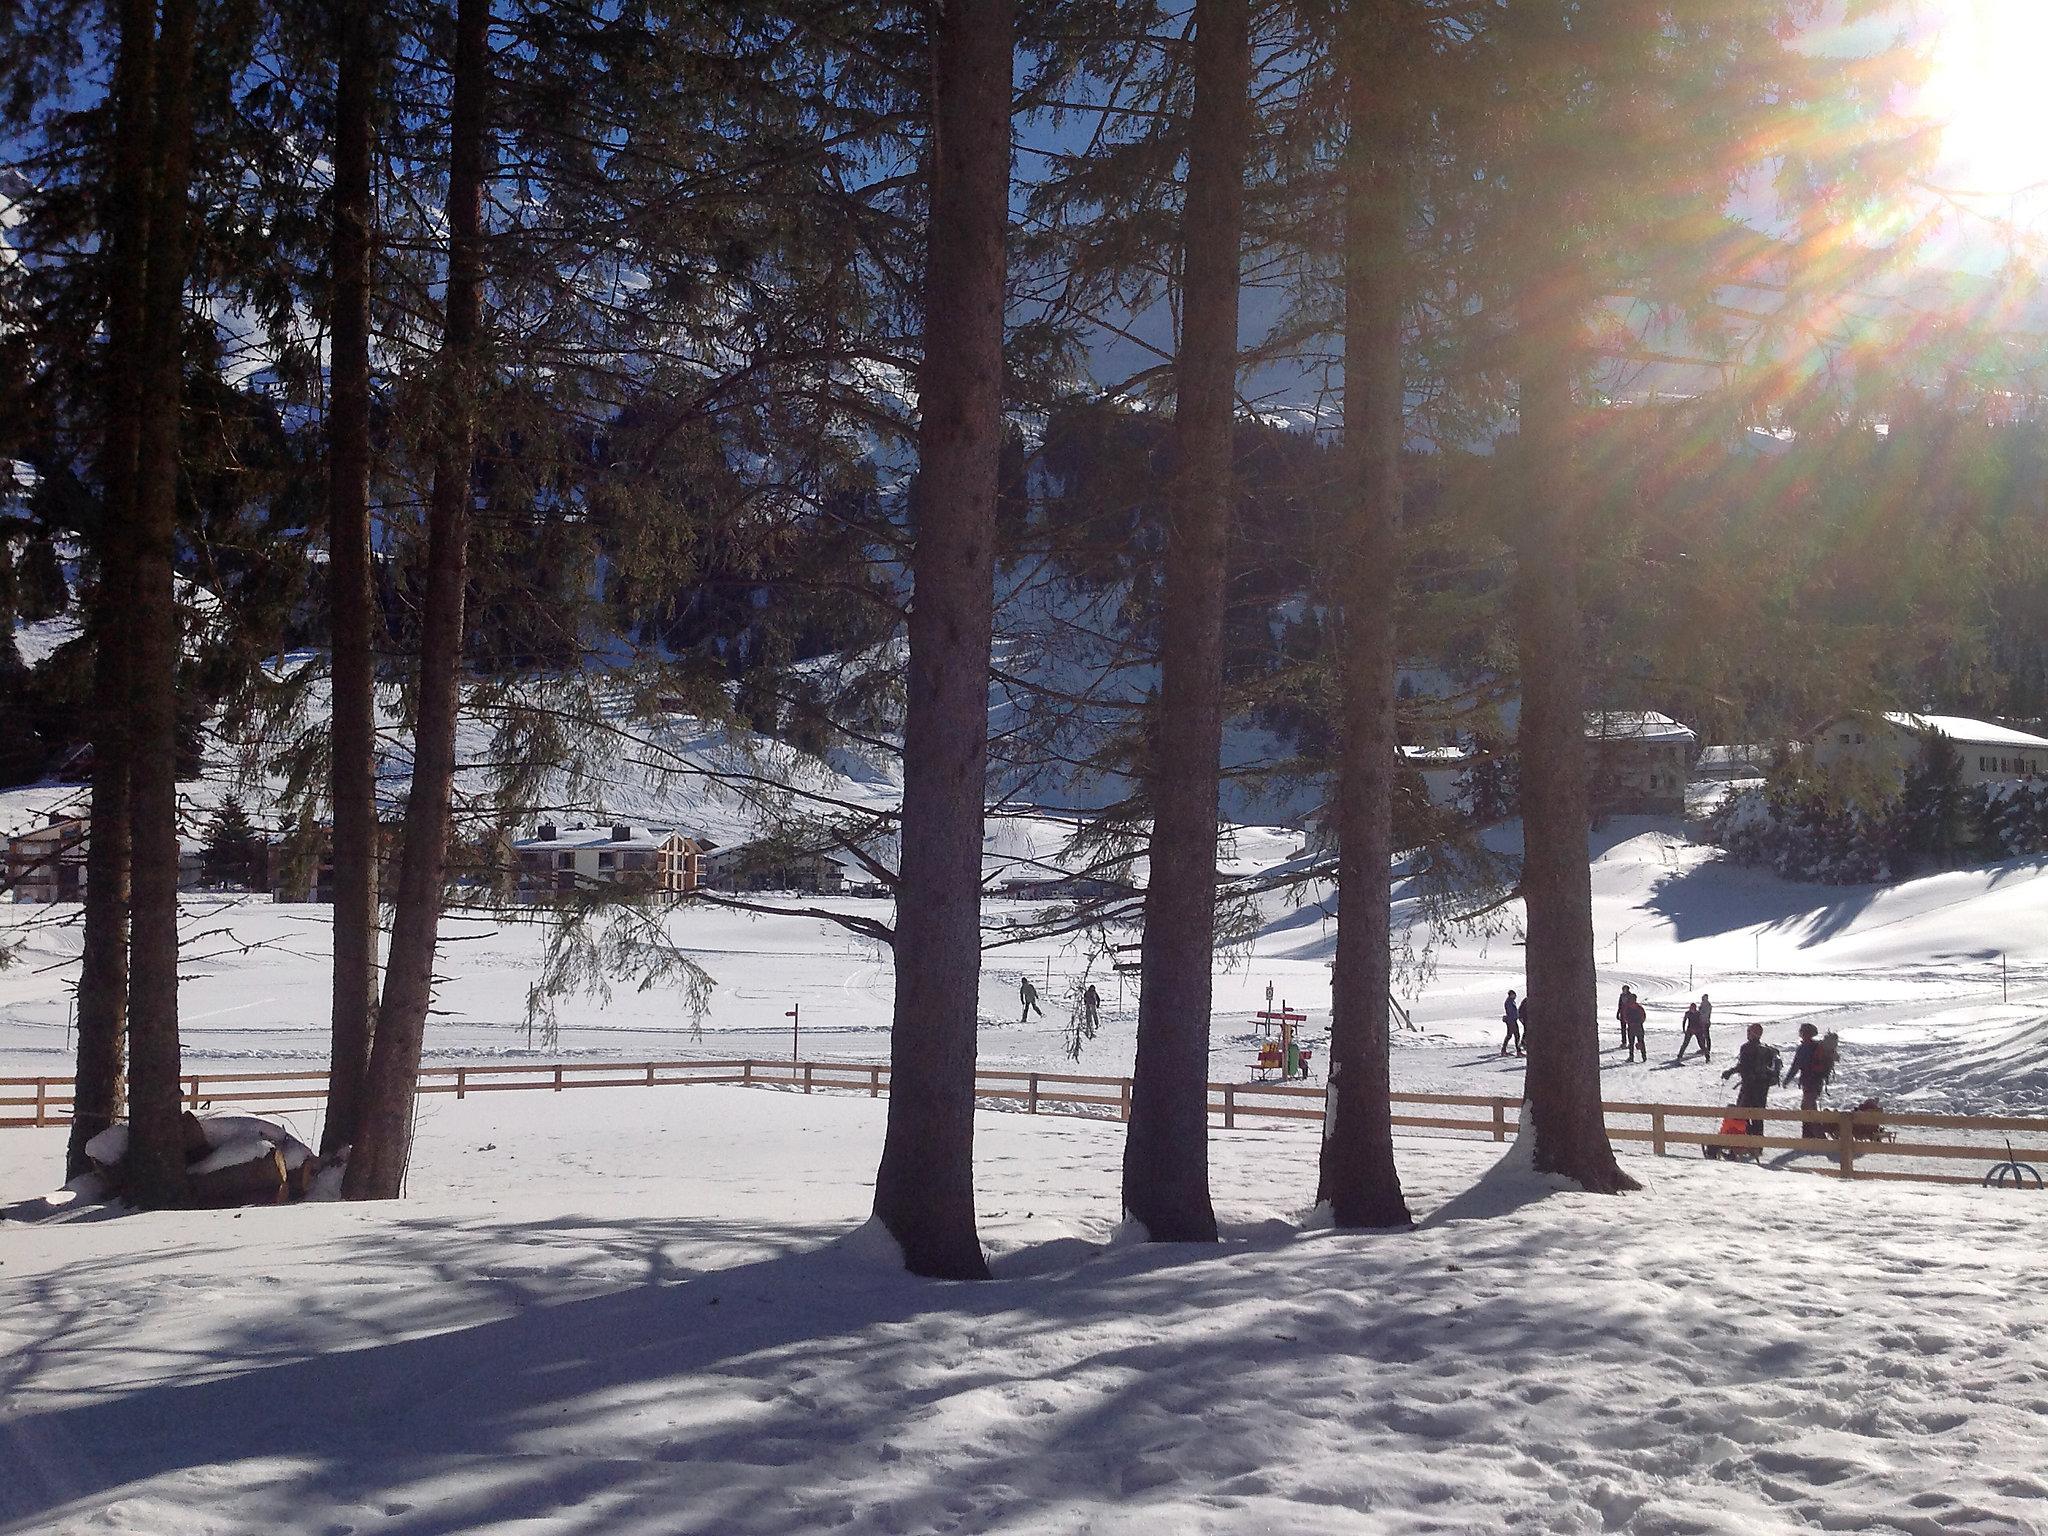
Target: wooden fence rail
1856,1145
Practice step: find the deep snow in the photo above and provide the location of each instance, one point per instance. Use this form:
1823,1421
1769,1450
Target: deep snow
625,1311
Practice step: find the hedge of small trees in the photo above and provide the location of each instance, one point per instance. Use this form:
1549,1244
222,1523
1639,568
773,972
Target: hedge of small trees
1836,831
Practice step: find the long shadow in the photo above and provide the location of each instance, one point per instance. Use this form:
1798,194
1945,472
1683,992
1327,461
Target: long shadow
494,1392
1718,897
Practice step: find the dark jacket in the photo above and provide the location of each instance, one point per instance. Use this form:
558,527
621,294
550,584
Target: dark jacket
1756,1064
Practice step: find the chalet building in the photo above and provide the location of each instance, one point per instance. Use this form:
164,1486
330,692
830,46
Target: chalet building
558,860
1640,762
768,865
1883,746
47,863
299,867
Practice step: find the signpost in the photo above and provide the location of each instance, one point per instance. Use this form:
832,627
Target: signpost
793,1018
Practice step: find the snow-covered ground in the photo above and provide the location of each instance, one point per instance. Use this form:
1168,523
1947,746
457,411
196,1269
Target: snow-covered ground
1938,987
641,1310
633,1312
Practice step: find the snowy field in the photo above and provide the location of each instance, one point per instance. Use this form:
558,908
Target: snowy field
1938,987
638,1312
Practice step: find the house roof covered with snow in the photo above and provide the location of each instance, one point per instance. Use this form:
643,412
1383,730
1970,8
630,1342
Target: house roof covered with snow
1635,725
570,838
1980,733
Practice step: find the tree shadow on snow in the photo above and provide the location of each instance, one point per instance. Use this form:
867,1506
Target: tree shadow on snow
539,1412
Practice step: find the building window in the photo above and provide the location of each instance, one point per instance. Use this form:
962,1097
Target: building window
607,861
1844,738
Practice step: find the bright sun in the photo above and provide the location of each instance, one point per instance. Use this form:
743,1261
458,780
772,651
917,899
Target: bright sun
1987,88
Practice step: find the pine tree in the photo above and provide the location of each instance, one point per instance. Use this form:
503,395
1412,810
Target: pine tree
155,1164
352,600
1377,45
233,853
99,1092
1166,1159
383,1146
924,1189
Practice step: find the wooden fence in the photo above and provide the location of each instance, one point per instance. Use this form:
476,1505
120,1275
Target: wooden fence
1857,1145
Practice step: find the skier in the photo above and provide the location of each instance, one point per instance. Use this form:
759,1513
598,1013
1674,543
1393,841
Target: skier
1695,1033
1758,1070
1706,1027
1632,1020
1029,994
1511,1017
1091,1008
1813,1063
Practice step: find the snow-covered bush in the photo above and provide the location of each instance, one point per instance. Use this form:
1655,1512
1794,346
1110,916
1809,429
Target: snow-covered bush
1806,829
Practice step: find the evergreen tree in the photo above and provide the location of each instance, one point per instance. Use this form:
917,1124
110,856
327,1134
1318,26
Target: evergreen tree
924,1189
234,852
1166,1162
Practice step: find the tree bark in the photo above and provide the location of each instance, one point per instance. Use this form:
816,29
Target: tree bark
99,1091
383,1145
1166,1154
155,1165
1359,1179
924,1188
1563,1083
351,596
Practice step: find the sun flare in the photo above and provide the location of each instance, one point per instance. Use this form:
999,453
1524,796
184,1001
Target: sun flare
1985,89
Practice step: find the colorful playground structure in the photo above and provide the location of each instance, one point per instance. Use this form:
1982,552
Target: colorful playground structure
1281,1057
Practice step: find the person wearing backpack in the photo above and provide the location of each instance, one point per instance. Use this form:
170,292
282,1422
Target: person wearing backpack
1813,1063
1511,1017
1758,1069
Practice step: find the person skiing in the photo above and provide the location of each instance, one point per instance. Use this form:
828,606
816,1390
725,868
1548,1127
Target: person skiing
1813,1063
1706,1025
1758,1070
1694,1034
1511,1017
1091,1008
1633,1018
1029,994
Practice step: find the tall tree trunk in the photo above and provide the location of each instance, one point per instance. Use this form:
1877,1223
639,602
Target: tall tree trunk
156,1150
99,1091
1563,1084
383,1145
352,603
924,1189
1359,1179
1166,1154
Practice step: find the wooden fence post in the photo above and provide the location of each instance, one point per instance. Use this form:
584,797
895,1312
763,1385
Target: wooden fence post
1229,1106
461,1083
1033,1105
1845,1129
747,1072
1123,1093
42,1093
874,1082
1500,1120
650,1074
192,1094
1657,1131
558,1079
807,1077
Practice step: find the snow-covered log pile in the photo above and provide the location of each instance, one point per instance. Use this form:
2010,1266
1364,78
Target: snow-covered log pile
229,1160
